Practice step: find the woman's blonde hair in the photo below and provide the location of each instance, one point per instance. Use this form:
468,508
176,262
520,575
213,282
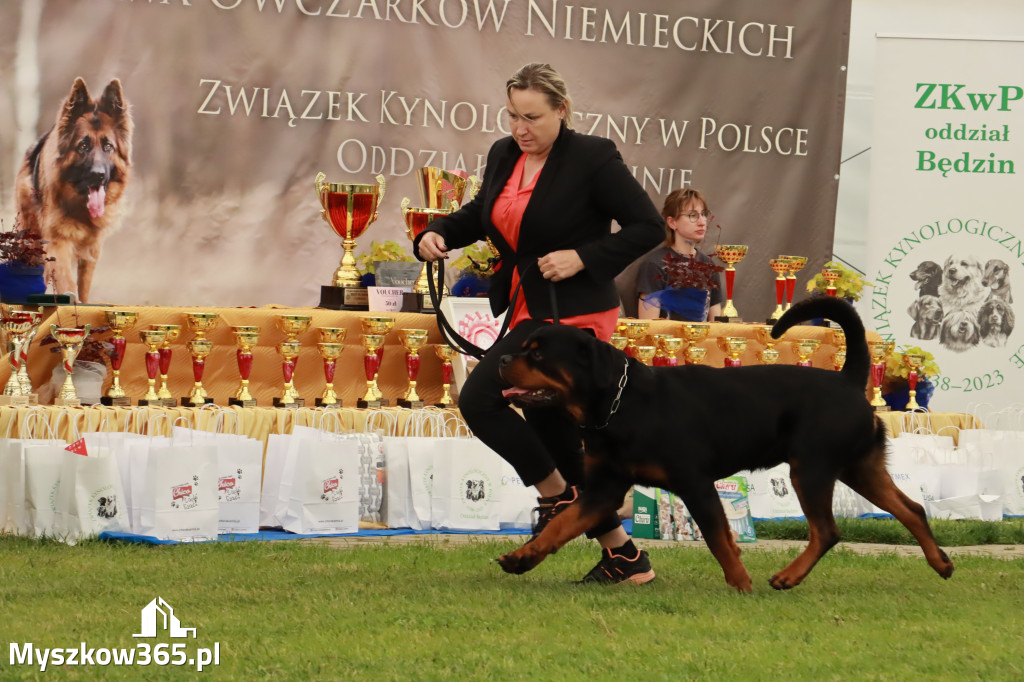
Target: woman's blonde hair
674,204
545,80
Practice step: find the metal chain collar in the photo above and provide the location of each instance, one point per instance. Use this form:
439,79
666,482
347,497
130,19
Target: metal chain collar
623,380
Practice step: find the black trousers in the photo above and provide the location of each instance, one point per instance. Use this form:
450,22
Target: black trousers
547,439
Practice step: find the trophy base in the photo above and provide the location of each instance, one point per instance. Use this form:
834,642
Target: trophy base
881,408
169,402
159,402
344,298
417,303
298,402
121,401
67,402
242,403
728,319
443,406
320,403
187,402
15,400
413,404
371,404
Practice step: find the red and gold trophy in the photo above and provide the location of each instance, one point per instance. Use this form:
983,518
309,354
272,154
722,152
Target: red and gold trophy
18,326
671,345
152,338
199,348
289,349
733,347
880,351
619,341
831,276
70,340
645,354
695,332
445,354
730,254
119,321
412,340
636,331
23,379
804,349
332,340
780,266
763,335
171,332
837,338
659,350
377,326
416,220
913,361
373,398
796,264
246,338
349,210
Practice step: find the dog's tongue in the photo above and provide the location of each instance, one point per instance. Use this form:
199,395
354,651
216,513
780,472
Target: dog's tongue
509,392
97,201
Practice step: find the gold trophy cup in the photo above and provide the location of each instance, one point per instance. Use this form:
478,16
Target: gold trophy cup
645,354
412,340
23,378
880,351
348,209
119,321
804,349
416,220
695,355
659,349
619,341
199,349
375,325
330,352
636,331
780,266
695,332
445,354
245,341
332,334
70,340
152,338
837,338
17,326
734,347
730,254
913,361
831,276
372,343
763,335
796,264
289,349
671,345
171,332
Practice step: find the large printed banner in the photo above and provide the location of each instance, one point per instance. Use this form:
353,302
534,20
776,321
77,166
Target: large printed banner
946,217
237,104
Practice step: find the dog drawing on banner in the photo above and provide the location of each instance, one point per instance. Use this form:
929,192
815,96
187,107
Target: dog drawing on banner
71,184
641,425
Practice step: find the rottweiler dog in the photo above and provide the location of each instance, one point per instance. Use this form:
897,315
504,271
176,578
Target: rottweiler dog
682,428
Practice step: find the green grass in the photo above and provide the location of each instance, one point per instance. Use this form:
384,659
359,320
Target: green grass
438,611
892,532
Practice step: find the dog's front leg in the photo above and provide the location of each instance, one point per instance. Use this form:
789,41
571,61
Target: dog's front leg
571,523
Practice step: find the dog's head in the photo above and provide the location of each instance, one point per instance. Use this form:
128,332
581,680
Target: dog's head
561,365
926,308
995,317
925,273
961,273
94,141
959,331
995,275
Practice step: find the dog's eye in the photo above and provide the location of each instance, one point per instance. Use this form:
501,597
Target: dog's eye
84,145
536,355
108,146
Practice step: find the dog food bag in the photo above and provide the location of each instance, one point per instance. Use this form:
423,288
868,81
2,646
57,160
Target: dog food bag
735,496
647,510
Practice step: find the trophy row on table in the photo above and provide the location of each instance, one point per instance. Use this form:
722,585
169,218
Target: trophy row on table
632,337
22,327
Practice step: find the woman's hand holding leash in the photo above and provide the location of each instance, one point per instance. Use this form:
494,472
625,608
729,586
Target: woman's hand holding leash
432,247
559,265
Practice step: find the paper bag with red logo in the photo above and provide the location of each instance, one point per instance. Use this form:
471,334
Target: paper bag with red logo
178,498
321,482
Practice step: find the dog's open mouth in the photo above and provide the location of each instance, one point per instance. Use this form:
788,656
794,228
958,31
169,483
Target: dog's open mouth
529,397
97,201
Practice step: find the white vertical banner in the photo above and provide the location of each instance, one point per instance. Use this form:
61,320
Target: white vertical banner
947,211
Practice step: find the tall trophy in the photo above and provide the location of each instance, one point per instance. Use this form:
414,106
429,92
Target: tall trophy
671,345
733,347
70,340
695,332
645,354
831,276
880,351
152,338
767,355
412,340
18,327
730,254
292,326
416,220
246,338
913,361
371,364
374,326
837,338
119,321
445,353
796,264
348,209
804,349
23,379
199,348
659,349
780,266
171,332
329,352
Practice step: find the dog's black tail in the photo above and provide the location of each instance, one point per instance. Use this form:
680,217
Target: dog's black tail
858,361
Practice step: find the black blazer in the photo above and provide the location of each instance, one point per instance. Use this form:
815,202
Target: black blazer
583,186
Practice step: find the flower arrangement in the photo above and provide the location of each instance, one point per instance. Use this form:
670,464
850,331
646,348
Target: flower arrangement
389,251
687,272
896,383
850,284
476,265
895,368
22,246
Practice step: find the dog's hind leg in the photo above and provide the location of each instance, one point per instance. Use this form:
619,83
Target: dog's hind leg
871,480
706,508
815,495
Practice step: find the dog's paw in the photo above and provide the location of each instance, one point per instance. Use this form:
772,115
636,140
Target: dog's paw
517,562
780,582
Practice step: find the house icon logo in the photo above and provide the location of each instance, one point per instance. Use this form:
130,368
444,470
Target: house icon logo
166,616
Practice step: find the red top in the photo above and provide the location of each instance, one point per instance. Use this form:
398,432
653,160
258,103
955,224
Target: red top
507,216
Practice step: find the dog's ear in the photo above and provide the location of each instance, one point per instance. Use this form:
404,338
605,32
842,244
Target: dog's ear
114,105
606,363
76,105
1008,319
914,307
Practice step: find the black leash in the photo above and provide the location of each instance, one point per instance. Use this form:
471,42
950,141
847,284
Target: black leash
448,333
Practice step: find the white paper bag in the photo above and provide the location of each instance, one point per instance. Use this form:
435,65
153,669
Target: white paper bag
321,480
422,453
239,465
1008,450
90,499
138,465
517,500
772,495
13,514
273,465
399,512
467,486
179,497
371,478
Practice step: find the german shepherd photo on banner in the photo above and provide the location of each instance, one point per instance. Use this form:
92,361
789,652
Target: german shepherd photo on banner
70,186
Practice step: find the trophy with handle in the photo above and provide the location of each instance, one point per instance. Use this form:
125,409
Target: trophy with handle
412,340
796,264
289,349
730,254
348,209
913,361
445,353
119,321
371,364
199,348
733,347
171,332
70,340
152,338
780,266
804,349
17,325
880,352
377,326
246,338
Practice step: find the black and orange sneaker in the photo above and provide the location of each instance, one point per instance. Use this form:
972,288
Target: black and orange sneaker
614,569
549,507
